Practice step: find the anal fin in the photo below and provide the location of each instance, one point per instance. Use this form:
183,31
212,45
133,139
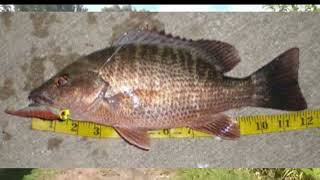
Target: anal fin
219,125
136,137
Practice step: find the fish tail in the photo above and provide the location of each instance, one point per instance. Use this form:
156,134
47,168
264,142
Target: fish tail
276,84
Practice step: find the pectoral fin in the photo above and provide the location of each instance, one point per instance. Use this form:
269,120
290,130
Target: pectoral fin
137,137
219,125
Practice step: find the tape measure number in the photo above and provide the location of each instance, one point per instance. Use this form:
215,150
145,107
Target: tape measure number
89,129
279,122
248,125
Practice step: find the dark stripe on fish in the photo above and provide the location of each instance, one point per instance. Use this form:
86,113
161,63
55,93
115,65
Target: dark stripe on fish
201,68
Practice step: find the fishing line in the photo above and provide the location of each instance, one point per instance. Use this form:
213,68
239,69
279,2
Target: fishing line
114,53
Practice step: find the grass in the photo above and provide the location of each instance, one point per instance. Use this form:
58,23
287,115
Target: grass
252,173
220,174
13,173
184,174
41,174
285,173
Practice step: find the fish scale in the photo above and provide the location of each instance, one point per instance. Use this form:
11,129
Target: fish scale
181,84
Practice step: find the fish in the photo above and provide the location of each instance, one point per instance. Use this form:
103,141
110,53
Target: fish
150,80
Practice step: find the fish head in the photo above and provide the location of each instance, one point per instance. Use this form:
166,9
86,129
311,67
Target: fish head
75,88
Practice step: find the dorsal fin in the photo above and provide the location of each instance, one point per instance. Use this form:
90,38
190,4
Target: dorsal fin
222,55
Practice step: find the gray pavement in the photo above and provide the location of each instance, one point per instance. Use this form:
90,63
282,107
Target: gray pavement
35,46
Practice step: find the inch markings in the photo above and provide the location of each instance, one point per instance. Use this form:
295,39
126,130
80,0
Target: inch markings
249,125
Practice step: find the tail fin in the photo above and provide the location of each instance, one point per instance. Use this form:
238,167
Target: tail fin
276,84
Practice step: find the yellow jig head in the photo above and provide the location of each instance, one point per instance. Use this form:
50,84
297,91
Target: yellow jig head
64,114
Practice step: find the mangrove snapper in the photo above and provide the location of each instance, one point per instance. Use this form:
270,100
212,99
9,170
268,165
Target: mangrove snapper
148,80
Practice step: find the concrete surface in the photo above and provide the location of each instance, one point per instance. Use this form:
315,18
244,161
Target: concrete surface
35,46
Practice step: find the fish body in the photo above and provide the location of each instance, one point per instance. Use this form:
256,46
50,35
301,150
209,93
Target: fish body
148,80
154,87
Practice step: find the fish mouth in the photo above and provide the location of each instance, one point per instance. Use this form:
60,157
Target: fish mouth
36,111
40,107
36,100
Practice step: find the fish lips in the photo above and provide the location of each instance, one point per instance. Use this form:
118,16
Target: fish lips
36,111
39,99
40,107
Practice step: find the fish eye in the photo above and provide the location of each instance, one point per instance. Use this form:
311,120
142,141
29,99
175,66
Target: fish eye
61,81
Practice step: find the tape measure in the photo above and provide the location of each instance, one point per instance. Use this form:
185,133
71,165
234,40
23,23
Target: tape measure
248,125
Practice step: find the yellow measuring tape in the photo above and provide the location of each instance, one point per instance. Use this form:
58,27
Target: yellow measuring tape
248,125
